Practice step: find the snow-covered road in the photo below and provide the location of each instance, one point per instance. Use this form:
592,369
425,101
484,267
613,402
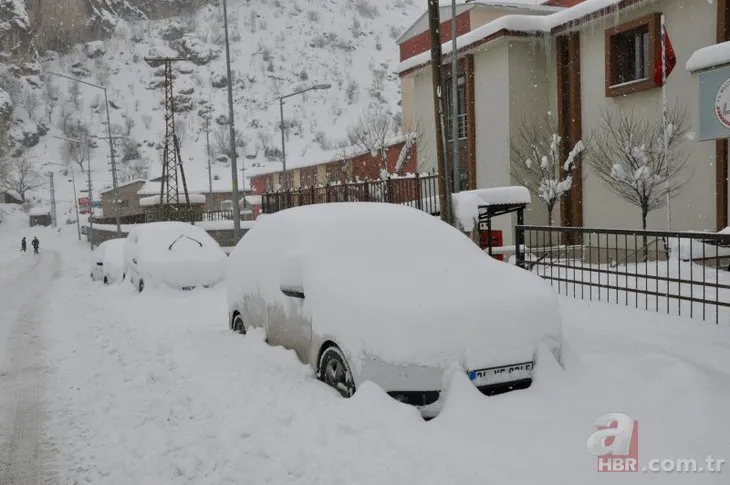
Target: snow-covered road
24,284
154,388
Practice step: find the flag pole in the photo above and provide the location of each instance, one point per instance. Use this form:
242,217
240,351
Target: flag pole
664,121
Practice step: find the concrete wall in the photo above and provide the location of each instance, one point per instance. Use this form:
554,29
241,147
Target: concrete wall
529,97
691,25
127,193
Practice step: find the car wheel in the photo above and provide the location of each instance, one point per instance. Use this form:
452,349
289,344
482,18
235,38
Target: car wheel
92,276
237,324
334,371
140,286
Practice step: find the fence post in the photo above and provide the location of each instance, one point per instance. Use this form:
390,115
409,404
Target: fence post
366,192
345,193
327,192
520,239
419,202
388,195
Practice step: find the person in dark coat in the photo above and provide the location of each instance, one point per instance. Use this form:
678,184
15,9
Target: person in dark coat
35,244
23,245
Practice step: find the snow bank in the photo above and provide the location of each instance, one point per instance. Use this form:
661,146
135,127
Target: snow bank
39,211
466,204
396,284
707,57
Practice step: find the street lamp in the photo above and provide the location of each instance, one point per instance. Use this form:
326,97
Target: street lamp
281,125
111,145
91,195
76,200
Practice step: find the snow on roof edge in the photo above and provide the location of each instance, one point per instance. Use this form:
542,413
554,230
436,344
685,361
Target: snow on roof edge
708,57
338,157
515,24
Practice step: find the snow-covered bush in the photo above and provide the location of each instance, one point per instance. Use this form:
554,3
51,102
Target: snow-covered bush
537,161
636,162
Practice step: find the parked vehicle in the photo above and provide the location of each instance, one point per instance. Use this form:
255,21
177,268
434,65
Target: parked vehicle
390,294
173,254
107,260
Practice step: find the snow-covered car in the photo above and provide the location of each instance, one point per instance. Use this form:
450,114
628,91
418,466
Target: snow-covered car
172,254
106,261
390,294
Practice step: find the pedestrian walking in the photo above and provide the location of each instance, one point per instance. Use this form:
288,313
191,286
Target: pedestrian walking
35,244
23,245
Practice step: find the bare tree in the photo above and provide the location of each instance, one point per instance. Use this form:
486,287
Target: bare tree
78,151
74,93
51,95
536,161
21,176
30,101
630,159
372,134
221,143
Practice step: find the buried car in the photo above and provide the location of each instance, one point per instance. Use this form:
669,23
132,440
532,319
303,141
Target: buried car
390,294
172,254
106,261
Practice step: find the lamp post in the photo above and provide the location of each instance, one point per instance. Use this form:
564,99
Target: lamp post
232,135
111,145
91,195
281,126
76,200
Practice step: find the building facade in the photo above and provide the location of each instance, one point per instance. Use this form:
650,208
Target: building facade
574,61
399,157
128,202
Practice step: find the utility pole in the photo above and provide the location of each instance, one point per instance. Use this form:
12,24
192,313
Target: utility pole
234,162
90,234
53,201
76,204
207,151
456,162
434,26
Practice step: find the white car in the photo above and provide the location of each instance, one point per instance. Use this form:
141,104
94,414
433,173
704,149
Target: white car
106,261
390,294
172,254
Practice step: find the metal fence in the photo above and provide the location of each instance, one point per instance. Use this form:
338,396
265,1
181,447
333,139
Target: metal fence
420,192
681,273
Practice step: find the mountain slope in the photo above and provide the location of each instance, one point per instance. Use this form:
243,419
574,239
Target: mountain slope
277,47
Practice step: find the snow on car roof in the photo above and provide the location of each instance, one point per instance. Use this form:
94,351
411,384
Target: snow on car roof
387,280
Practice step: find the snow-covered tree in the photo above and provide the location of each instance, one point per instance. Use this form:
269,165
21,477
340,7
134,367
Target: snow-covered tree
537,161
630,158
375,132
20,175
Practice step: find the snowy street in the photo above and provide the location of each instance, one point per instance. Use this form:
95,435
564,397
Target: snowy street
106,386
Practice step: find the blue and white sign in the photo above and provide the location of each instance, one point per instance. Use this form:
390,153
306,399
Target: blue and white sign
715,103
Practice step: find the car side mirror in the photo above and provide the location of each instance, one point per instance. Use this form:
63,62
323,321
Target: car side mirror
290,278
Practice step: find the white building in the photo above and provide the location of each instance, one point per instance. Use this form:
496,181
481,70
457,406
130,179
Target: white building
572,59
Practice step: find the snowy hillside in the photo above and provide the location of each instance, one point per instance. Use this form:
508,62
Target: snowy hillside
277,47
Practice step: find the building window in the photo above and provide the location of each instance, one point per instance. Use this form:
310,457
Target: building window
461,108
631,50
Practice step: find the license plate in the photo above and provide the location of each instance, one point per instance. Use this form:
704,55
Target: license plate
499,375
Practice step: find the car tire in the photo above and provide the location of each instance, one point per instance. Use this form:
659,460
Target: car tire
140,286
237,324
334,371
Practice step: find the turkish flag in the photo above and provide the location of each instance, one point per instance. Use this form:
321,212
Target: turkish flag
671,58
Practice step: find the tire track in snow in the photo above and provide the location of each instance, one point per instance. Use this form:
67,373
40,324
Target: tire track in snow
22,444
